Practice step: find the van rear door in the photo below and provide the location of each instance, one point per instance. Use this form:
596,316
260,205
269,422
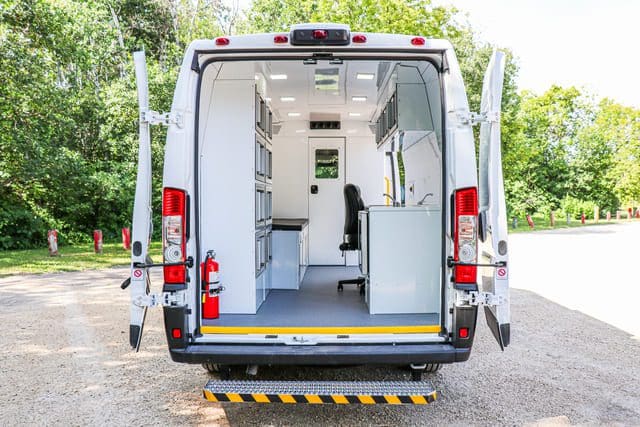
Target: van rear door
141,223
492,209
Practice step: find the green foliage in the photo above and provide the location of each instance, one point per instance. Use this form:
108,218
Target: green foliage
68,112
575,207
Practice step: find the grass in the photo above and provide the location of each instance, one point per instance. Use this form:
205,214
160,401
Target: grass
72,258
542,223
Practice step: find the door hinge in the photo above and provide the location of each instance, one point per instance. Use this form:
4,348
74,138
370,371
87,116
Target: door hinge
472,119
478,298
164,299
166,119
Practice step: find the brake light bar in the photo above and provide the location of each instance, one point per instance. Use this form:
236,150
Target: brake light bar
465,235
174,239
320,36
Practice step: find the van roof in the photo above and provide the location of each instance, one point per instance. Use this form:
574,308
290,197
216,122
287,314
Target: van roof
372,41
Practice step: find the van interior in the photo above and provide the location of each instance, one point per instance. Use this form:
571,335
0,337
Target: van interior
278,143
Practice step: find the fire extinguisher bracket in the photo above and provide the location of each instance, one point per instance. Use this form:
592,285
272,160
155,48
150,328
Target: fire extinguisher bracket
215,291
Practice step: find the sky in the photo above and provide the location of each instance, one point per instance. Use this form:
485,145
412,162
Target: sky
591,44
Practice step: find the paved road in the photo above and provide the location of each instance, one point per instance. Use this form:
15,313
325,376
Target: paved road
592,269
65,356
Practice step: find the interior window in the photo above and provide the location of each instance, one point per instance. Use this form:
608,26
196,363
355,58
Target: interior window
327,164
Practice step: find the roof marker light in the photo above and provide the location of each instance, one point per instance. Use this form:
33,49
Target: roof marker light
418,41
359,38
281,38
222,41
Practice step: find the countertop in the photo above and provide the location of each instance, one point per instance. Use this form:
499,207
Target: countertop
289,224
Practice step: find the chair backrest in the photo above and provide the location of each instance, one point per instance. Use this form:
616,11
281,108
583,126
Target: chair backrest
352,203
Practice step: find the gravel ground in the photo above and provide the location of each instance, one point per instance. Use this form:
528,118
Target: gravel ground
66,361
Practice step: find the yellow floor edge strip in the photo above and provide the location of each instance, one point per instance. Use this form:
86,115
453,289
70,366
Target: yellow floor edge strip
338,330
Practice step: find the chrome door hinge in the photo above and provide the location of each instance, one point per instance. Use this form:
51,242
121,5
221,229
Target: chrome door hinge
472,119
478,298
164,299
166,119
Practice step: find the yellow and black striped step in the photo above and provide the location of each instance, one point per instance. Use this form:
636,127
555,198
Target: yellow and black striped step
322,392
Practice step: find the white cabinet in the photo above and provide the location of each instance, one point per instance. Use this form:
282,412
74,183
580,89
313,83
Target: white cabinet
290,256
402,257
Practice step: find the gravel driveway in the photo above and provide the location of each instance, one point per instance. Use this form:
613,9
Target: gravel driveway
66,361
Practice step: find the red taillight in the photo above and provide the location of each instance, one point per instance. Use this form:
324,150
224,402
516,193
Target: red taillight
418,41
222,41
176,333
359,38
465,234
174,238
463,333
280,39
320,34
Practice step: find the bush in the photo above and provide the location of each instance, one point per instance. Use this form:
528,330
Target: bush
575,207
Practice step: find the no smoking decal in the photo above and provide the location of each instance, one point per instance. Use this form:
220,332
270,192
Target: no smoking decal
502,273
137,274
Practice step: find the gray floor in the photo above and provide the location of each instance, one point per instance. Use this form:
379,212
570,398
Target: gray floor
318,303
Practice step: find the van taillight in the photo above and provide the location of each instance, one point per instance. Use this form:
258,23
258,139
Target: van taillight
174,234
465,234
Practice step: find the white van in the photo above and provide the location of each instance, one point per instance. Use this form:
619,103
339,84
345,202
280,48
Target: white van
271,138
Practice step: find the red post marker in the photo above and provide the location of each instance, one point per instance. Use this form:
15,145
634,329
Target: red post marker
582,218
97,241
530,221
608,216
552,219
126,238
630,213
638,213
52,240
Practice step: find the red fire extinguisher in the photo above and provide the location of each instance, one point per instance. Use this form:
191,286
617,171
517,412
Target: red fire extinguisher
210,271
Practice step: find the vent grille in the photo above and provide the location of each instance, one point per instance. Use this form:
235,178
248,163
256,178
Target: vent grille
317,125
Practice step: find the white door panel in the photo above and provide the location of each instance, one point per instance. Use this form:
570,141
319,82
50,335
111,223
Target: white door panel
492,209
326,200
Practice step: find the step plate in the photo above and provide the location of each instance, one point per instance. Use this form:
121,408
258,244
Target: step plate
322,392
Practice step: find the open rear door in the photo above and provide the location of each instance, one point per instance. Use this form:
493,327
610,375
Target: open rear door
142,226
492,209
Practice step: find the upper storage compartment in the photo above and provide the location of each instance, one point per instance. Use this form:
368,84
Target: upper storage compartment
410,106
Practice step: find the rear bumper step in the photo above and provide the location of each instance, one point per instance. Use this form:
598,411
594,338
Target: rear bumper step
321,392
265,354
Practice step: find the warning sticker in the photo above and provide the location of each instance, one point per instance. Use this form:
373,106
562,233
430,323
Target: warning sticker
137,274
502,273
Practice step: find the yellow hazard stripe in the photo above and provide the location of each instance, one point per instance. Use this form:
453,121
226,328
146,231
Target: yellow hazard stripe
331,330
315,399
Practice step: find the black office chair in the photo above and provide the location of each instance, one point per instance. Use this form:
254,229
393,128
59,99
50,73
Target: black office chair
353,204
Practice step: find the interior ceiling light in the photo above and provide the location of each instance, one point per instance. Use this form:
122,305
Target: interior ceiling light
293,114
354,114
300,131
365,76
358,98
287,98
278,77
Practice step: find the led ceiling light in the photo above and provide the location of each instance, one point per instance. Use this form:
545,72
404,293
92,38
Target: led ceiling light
365,76
358,98
300,131
354,114
278,77
293,114
287,98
